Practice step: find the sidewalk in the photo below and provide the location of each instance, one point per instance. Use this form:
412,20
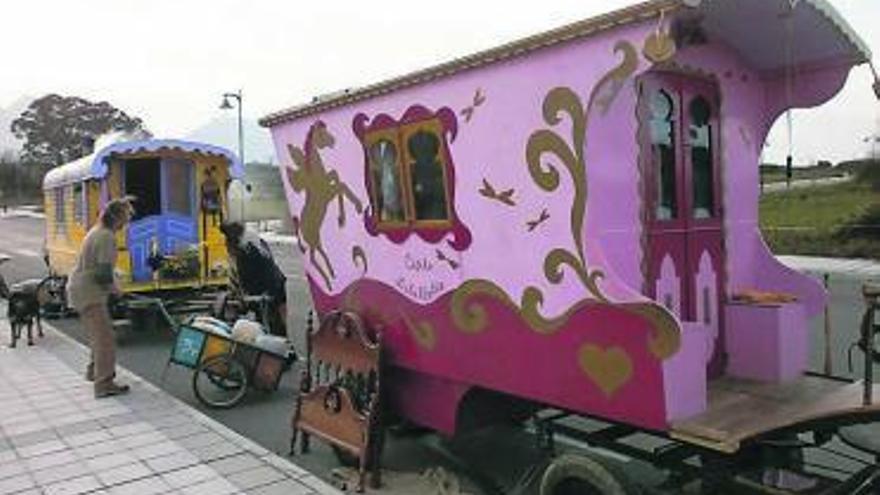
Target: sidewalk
56,439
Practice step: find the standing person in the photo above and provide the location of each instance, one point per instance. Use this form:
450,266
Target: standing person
258,274
88,291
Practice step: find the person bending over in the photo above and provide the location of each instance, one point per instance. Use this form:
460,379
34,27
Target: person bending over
258,274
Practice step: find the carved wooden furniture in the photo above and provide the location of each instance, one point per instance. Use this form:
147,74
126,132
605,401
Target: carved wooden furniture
339,398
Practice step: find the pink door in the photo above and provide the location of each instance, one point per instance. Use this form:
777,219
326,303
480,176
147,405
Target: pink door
682,193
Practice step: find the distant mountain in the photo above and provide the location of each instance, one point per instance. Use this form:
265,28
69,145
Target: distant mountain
8,142
223,131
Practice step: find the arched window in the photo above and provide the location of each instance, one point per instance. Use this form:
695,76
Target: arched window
426,170
410,176
700,141
407,176
662,129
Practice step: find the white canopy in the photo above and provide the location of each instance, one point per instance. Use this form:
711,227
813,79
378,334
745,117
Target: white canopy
758,30
94,166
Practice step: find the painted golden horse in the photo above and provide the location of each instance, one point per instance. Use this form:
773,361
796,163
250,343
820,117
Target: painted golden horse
321,187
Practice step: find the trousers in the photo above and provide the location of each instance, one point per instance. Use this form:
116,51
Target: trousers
99,325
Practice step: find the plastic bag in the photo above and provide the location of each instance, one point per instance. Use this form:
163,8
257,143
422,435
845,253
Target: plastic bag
247,331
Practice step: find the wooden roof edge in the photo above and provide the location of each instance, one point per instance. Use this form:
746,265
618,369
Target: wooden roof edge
576,30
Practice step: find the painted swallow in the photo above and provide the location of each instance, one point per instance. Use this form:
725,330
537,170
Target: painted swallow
533,224
505,197
441,256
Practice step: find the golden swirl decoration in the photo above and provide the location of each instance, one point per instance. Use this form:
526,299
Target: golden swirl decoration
667,338
357,253
604,93
423,332
546,176
471,317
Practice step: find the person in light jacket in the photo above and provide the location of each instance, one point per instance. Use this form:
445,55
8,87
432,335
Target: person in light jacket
89,289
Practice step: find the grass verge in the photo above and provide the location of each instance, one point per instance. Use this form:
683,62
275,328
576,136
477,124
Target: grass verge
839,221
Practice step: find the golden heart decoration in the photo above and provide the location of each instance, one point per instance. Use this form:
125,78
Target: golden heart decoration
609,368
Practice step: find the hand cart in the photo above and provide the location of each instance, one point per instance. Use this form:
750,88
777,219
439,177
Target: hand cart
223,368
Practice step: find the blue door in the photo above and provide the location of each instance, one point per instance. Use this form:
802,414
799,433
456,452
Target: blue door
164,221
141,234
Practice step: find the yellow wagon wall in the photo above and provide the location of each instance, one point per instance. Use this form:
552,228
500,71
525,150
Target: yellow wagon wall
64,238
64,235
211,236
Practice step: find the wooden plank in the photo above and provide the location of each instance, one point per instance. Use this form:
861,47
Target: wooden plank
739,409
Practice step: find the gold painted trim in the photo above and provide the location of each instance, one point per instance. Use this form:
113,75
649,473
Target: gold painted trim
578,30
470,316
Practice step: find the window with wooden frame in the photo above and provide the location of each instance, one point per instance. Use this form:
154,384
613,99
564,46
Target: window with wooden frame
408,176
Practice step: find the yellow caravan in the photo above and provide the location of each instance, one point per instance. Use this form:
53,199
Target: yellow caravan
173,240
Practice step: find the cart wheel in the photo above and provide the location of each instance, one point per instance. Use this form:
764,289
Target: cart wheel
581,475
220,382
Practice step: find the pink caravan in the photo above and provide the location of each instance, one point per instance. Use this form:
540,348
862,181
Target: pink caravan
566,220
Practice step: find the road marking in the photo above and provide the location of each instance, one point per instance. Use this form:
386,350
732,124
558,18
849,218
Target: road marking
30,253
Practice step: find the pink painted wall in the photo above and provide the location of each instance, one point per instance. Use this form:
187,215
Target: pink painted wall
492,145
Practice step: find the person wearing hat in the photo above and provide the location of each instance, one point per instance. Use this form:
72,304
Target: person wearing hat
89,289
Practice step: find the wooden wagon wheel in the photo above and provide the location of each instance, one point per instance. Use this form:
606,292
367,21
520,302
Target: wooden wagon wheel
220,382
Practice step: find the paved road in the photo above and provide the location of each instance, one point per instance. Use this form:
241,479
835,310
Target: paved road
503,452
782,186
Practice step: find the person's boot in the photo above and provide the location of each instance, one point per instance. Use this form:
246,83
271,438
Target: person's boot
111,390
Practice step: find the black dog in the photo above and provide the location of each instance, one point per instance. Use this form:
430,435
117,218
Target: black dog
24,307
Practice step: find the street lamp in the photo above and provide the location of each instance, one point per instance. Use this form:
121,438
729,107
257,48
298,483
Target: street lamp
226,105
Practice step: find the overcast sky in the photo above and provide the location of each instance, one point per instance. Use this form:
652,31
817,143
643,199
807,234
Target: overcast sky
168,62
